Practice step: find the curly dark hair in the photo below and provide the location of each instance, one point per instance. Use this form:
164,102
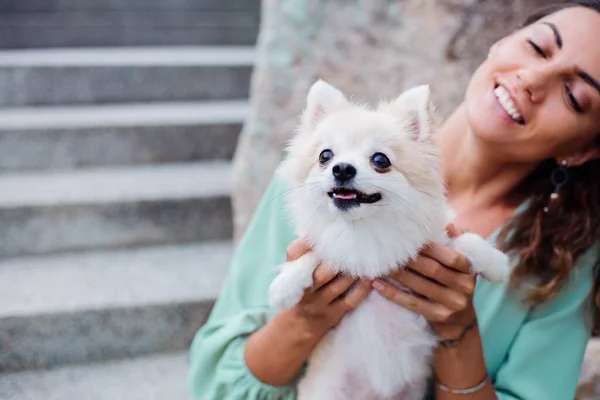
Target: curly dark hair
548,242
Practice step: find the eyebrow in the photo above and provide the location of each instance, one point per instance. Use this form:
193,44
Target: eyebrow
557,36
591,81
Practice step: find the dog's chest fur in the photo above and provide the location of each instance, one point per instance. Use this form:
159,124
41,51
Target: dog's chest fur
379,351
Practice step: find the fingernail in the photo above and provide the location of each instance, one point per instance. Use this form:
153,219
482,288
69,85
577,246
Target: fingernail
377,285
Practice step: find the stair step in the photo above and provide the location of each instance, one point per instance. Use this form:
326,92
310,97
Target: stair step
123,115
118,135
172,56
56,211
117,185
129,27
88,306
41,149
101,76
159,377
55,6
99,280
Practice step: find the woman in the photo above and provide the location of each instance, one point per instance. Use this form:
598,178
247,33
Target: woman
522,167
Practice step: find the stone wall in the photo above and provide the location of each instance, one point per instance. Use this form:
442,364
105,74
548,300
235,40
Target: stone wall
369,48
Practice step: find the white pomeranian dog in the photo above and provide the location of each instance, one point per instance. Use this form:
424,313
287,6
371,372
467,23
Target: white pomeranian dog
367,193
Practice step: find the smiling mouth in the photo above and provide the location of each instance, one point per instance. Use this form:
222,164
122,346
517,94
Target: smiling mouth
345,198
507,104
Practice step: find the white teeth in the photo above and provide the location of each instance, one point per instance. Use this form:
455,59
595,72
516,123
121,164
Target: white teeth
507,103
354,197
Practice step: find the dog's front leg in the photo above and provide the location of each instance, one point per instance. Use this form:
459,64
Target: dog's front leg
287,288
485,259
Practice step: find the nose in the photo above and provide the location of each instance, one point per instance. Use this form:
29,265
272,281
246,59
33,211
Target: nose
343,172
534,82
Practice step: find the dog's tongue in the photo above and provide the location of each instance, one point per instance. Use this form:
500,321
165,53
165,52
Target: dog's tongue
344,196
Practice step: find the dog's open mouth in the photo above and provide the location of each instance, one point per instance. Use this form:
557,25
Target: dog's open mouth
345,198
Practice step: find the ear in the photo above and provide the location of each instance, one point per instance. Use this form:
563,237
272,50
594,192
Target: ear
322,99
588,154
418,111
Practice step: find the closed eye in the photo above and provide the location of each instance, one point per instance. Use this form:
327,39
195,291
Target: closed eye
573,100
537,48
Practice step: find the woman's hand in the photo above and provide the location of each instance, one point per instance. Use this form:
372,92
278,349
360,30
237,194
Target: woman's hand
276,352
443,286
330,297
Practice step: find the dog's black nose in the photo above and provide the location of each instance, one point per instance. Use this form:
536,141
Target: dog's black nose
343,172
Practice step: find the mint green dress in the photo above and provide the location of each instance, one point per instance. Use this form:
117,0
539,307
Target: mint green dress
532,353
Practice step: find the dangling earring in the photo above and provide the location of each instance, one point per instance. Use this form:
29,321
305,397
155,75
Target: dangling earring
559,177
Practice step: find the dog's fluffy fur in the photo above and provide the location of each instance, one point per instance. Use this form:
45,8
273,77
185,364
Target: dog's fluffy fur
379,350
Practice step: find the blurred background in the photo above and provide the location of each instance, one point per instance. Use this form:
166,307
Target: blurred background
118,122
136,138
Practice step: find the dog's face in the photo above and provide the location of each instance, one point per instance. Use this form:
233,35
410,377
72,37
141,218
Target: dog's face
354,163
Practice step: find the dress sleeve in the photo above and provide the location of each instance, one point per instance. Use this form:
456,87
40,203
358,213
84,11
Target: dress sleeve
217,367
545,358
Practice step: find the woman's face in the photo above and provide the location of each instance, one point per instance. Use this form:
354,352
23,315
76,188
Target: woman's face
538,95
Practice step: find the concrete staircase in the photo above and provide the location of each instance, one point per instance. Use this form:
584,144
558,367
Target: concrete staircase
114,195
91,23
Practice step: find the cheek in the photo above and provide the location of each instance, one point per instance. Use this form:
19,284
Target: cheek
557,129
304,168
480,102
478,98
389,182
320,177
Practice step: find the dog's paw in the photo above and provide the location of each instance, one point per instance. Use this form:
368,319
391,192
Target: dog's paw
288,287
499,268
284,292
486,260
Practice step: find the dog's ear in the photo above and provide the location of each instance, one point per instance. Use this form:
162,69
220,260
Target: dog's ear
417,112
322,99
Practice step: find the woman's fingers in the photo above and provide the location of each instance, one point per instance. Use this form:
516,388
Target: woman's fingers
430,289
354,296
429,267
455,231
321,276
433,312
434,270
335,288
448,257
296,249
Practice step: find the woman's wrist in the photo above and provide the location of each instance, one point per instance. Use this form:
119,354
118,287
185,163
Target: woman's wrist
305,328
464,391
459,334
275,353
460,363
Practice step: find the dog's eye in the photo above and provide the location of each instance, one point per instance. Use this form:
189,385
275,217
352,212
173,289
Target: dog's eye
325,157
380,161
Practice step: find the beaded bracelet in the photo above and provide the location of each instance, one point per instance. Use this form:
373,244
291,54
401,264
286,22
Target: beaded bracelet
470,390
